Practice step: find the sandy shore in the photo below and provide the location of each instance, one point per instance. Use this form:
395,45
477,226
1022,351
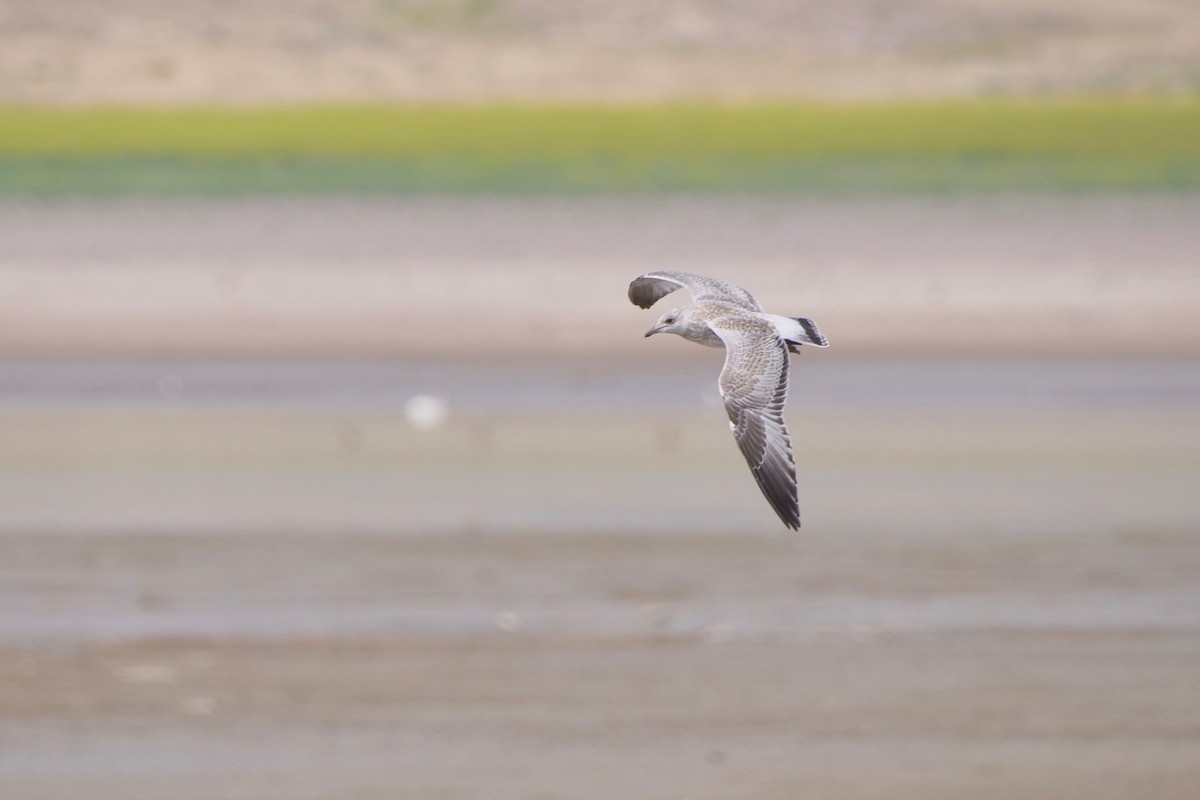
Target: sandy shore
1003,472
229,604
227,580
1010,275
601,666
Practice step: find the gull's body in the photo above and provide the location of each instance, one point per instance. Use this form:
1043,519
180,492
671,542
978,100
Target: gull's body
754,380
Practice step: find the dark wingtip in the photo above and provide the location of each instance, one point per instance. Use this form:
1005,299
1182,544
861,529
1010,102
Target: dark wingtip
785,506
639,294
782,502
814,333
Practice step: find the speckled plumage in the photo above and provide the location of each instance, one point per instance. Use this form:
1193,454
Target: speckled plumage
653,286
754,380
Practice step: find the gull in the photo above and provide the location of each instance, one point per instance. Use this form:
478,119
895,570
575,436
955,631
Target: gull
754,380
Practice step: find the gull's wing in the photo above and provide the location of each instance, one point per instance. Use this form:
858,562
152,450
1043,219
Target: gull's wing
754,385
652,287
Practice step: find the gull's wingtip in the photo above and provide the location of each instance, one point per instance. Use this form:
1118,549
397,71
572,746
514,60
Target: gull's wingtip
640,293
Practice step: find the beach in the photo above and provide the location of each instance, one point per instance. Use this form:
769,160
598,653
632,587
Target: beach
235,563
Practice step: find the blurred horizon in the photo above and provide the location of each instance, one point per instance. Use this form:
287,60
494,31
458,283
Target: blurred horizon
130,52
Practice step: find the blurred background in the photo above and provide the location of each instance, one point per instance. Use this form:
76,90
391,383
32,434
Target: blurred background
333,462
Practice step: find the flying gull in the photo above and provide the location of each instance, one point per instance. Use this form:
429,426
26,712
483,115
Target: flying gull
754,380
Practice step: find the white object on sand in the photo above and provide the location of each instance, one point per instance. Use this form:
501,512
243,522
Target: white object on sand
426,412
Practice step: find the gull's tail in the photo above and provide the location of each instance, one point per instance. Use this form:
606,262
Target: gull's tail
798,331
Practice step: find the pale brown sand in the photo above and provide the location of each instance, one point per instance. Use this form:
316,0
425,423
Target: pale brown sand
926,473
276,602
601,666
227,604
1008,275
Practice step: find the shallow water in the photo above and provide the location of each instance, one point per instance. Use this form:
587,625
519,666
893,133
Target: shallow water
818,385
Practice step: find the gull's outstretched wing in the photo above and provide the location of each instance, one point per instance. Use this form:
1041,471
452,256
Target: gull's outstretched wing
653,286
754,384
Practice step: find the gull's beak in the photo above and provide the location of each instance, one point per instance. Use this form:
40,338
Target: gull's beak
654,330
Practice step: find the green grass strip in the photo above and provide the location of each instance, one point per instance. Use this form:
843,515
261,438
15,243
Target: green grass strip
970,145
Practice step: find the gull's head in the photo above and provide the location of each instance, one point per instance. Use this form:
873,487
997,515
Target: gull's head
670,322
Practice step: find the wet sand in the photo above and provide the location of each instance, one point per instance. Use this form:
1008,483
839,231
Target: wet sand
603,666
241,579
223,604
1008,276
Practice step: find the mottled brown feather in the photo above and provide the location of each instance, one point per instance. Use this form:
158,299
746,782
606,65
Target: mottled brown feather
648,289
754,383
